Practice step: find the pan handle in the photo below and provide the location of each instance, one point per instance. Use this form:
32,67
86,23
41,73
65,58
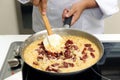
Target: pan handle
67,22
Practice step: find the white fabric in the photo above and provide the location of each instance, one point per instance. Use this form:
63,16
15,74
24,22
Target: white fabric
90,21
24,1
108,7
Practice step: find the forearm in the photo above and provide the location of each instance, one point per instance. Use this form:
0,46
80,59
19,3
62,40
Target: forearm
87,4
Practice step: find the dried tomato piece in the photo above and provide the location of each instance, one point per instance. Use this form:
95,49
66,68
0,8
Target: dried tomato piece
55,70
93,56
35,63
87,45
85,49
41,45
50,57
51,69
82,59
85,56
55,64
39,57
65,64
67,54
68,42
50,53
57,55
74,47
71,64
48,68
83,52
74,58
40,51
91,49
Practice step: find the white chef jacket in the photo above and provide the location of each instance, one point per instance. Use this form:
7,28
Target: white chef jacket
91,20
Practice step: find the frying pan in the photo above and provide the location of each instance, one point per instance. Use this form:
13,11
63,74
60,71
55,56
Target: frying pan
62,32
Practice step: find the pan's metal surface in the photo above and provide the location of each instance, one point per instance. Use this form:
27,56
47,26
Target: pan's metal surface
62,32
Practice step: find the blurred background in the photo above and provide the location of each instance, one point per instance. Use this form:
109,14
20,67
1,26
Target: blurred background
16,18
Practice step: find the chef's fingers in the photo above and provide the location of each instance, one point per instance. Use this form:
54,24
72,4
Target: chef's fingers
75,17
72,12
43,6
65,11
75,12
35,2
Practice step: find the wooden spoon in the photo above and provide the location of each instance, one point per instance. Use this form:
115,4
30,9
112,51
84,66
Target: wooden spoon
46,22
53,42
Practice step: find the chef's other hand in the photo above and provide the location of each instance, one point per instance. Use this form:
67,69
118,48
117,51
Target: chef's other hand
42,4
77,9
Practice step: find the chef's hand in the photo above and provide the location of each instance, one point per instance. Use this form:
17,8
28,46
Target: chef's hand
42,4
77,9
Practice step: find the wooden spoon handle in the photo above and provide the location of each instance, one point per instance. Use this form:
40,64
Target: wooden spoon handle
46,22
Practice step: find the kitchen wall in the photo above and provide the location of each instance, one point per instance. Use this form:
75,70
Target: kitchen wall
8,18
112,24
11,21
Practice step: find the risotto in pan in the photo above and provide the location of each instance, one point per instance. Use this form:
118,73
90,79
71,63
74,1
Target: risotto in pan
77,53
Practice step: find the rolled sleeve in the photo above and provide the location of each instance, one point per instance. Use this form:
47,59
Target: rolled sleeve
108,7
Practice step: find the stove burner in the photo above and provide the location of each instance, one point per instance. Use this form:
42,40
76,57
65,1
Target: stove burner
31,74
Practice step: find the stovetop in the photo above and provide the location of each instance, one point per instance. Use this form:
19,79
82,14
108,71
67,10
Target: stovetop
108,70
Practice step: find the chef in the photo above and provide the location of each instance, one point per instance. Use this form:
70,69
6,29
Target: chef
88,15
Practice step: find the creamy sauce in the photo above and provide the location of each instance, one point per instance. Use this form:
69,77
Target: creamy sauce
83,54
